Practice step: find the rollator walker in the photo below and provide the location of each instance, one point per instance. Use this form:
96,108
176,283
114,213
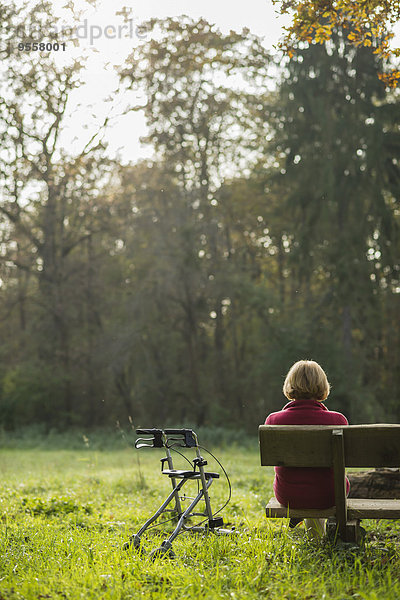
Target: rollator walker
183,438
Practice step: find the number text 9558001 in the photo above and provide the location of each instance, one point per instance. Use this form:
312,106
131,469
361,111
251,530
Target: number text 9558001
41,46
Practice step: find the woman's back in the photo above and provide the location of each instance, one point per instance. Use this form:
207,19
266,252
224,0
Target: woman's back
305,487
306,385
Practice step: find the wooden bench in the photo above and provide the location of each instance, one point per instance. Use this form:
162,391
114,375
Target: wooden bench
337,447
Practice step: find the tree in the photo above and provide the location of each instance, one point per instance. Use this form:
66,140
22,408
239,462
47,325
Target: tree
366,24
205,96
50,208
155,336
337,155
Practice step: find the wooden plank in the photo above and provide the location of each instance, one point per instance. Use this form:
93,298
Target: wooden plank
375,483
339,480
357,508
360,508
295,445
372,446
275,510
353,531
310,445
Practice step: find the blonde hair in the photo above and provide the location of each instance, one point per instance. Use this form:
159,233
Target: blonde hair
306,379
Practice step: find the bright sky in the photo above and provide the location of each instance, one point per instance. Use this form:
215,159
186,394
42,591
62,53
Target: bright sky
259,16
99,38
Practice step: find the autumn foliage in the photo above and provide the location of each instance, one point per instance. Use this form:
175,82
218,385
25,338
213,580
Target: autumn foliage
367,23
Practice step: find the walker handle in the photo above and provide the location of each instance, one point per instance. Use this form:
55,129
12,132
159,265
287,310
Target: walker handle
148,431
154,442
187,439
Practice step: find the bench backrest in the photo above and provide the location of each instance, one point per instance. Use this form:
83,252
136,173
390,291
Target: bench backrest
311,445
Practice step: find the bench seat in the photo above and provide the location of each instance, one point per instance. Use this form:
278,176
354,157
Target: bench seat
357,508
276,510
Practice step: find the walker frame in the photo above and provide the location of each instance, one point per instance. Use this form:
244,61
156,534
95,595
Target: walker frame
168,439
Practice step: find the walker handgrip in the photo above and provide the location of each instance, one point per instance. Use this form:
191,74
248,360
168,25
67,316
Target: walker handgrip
138,445
154,442
189,436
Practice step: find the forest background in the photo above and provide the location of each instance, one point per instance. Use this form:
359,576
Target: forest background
180,289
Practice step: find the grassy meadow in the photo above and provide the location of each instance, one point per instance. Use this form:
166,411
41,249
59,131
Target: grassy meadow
67,512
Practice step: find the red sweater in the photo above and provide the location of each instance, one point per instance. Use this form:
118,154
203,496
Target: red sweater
305,487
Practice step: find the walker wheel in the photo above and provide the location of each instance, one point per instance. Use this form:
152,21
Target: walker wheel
162,552
131,546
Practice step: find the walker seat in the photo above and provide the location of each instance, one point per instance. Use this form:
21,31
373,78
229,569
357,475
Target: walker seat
188,474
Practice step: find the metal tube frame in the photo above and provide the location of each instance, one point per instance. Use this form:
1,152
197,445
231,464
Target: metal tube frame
178,506
183,515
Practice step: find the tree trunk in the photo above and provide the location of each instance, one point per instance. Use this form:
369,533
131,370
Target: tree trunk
381,483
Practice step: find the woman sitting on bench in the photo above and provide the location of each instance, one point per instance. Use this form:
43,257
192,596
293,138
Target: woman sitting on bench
306,386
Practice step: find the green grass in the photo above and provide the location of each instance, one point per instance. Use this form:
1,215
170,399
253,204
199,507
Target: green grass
65,515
